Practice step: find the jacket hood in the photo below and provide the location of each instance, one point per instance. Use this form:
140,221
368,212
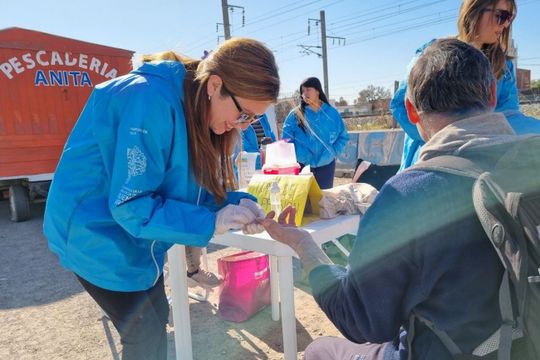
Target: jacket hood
173,72
468,133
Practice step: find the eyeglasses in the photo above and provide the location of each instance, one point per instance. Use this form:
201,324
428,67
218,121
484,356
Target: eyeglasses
243,117
502,16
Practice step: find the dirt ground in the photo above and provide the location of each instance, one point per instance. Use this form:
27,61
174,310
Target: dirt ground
45,314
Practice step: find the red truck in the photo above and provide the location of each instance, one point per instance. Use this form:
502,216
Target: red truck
45,81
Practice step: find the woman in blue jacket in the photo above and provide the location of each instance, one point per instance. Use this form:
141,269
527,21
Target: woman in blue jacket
148,165
317,131
253,136
486,25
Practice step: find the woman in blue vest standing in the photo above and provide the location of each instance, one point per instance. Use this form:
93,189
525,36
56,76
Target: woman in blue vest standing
317,131
148,165
486,25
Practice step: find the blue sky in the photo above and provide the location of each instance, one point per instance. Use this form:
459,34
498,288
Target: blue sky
381,36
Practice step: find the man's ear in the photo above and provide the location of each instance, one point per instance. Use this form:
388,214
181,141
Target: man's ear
411,112
493,95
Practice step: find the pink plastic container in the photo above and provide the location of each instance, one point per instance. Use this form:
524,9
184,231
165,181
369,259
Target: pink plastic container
246,285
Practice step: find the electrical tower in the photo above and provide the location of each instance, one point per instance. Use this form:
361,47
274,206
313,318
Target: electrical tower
309,49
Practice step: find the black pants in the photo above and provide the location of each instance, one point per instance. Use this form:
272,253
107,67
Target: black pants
324,174
139,316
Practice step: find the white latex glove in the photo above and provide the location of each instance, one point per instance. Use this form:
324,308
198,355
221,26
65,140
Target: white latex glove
253,228
232,217
258,211
255,208
286,232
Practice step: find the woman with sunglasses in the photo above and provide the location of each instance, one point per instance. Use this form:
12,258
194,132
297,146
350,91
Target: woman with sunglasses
317,131
148,165
486,25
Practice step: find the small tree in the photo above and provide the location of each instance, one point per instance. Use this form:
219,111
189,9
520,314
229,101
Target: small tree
341,102
372,93
535,84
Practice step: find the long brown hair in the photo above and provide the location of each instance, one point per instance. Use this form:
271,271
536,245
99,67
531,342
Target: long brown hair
469,16
250,71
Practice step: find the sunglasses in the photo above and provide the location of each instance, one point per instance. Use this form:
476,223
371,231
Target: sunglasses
502,16
243,117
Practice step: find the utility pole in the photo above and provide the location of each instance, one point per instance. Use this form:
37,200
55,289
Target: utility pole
324,54
226,23
307,49
225,8
396,87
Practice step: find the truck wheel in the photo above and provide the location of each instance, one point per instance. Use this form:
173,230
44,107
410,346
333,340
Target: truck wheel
19,203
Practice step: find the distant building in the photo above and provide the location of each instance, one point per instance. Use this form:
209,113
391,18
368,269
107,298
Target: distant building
523,78
355,110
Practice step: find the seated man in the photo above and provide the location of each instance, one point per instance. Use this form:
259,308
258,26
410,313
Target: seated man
420,247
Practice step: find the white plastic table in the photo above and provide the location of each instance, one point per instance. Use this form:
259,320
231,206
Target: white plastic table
281,278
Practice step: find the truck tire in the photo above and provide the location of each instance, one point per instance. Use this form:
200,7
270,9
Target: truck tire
19,203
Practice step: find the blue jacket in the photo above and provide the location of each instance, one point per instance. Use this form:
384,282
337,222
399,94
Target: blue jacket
124,191
328,127
249,138
507,103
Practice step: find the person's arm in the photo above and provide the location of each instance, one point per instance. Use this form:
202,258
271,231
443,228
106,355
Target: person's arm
249,140
232,198
343,135
285,231
508,104
267,128
507,92
290,127
397,104
397,108
413,142
299,137
371,299
143,145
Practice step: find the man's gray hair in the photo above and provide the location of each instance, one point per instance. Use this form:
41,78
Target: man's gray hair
451,77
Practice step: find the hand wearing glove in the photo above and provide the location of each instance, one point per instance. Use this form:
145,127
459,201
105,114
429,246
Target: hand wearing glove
253,228
232,217
286,232
258,211
255,208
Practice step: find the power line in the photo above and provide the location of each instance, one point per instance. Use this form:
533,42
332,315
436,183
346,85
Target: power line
206,41
355,15
379,18
272,15
409,20
418,25
295,17
375,19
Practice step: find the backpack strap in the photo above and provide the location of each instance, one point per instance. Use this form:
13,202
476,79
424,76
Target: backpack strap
450,164
502,338
505,304
450,345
